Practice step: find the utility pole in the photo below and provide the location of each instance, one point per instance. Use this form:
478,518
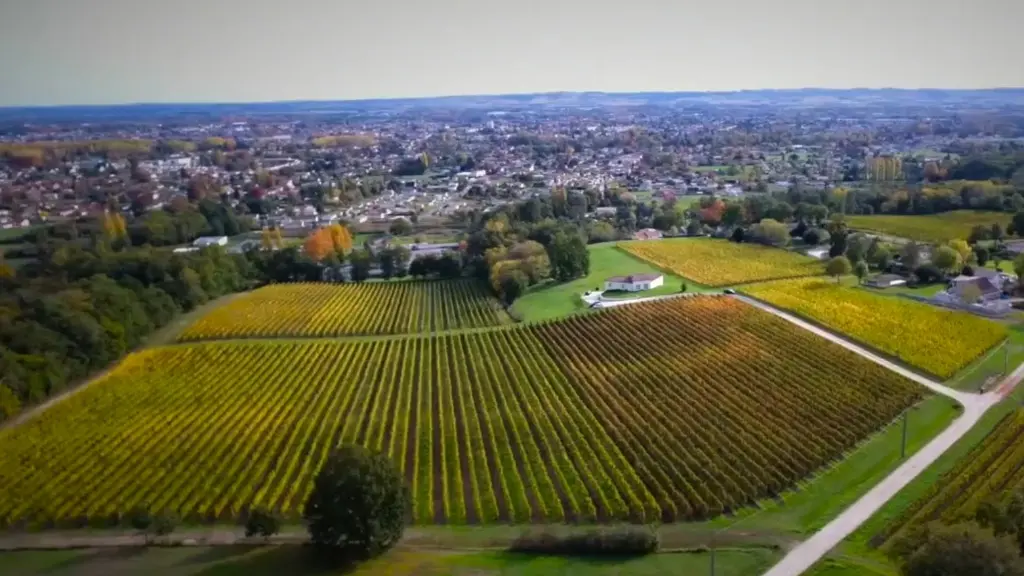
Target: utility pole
903,444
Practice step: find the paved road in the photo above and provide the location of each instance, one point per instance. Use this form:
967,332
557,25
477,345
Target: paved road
806,554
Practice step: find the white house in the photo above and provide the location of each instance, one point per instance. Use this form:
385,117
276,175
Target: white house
634,282
204,241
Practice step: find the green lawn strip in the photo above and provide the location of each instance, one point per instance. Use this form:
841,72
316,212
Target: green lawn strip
296,561
550,300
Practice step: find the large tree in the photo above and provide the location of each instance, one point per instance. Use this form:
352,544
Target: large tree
359,505
936,550
569,257
838,266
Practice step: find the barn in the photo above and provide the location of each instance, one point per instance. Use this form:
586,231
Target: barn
634,282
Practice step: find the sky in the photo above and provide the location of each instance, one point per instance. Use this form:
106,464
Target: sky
56,52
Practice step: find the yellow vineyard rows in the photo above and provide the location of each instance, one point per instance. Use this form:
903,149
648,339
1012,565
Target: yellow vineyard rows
935,340
722,263
932,227
672,410
312,309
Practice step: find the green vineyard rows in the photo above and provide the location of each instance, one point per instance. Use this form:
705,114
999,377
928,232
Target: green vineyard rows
672,410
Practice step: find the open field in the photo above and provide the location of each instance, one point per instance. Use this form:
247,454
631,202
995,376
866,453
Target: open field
554,300
311,309
723,263
934,340
673,410
931,228
295,561
989,473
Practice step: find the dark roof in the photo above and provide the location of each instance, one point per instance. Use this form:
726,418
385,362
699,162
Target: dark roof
634,278
983,284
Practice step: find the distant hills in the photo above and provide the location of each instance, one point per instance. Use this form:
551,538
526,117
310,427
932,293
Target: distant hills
794,97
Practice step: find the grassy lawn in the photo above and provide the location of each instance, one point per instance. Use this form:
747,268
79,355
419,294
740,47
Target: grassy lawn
553,300
295,561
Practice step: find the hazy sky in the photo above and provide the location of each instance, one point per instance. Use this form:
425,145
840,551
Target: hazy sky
110,51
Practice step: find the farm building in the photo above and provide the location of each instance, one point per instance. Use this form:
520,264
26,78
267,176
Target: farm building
634,282
886,281
647,234
204,241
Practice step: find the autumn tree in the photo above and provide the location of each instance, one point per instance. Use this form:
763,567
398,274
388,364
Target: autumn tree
266,239
341,238
318,245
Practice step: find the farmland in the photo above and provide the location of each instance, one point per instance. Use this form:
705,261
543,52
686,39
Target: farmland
722,263
672,410
937,341
990,473
931,228
307,309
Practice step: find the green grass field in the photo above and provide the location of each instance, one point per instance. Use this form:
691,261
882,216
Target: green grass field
552,300
931,228
295,561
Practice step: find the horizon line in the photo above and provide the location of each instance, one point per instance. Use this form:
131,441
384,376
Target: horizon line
499,95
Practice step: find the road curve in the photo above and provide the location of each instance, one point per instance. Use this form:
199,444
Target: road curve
807,553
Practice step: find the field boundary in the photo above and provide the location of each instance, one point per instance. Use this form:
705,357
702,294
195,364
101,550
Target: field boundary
920,372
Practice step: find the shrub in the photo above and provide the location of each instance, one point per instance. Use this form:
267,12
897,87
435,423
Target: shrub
628,541
262,523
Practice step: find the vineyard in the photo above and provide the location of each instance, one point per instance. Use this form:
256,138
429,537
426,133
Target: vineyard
932,227
309,309
673,410
990,473
937,341
723,263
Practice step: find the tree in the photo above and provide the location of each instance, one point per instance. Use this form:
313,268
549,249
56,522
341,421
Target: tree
266,240
928,273
963,249
816,236
512,285
936,550
682,286
140,519
359,505
838,266
738,234
318,245
947,259
164,523
262,523
860,270
837,243
394,261
981,255
881,258
400,227
341,238
569,257
361,262
1018,265
910,255
978,233
770,232
1016,225
694,228
733,214
857,247
996,233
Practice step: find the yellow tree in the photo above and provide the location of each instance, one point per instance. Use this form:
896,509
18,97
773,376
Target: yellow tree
120,227
266,239
278,239
341,239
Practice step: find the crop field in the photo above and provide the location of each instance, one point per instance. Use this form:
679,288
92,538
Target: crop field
312,309
723,263
930,228
990,473
932,339
673,410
